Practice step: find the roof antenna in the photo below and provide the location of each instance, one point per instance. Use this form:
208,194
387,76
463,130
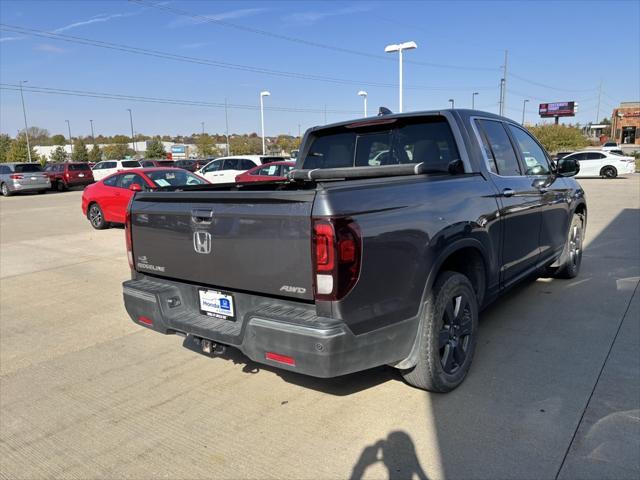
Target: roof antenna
384,111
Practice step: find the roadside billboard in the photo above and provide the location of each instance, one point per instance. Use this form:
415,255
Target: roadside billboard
557,109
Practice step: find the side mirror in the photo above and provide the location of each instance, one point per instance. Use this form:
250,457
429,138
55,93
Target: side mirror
134,187
568,167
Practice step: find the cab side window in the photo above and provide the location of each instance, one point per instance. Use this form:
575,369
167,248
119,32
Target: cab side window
533,155
128,179
498,143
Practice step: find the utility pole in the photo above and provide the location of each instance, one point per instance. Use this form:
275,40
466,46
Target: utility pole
500,96
598,109
524,106
93,137
226,121
503,90
325,113
133,138
70,140
202,123
24,113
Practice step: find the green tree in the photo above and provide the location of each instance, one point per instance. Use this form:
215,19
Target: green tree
80,153
117,151
206,146
59,154
559,137
95,154
58,140
19,152
5,146
120,139
155,149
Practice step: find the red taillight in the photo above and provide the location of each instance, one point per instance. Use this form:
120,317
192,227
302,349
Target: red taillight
145,320
15,176
337,250
276,357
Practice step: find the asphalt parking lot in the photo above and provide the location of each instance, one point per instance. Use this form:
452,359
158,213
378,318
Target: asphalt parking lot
554,391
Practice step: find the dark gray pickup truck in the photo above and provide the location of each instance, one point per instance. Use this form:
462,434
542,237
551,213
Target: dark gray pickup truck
388,238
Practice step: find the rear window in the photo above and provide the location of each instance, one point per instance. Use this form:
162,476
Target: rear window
174,178
79,166
27,167
271,159
130,163
427,140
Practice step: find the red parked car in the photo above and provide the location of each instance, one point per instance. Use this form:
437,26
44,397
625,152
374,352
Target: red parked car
106,201
68,174
268,171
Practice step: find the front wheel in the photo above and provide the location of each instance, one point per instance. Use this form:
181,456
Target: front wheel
60,186
609,172
96,217
447,335
571,257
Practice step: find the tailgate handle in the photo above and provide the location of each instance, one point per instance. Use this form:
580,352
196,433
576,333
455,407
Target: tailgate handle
202,216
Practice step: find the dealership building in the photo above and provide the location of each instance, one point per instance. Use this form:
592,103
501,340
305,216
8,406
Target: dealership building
625,124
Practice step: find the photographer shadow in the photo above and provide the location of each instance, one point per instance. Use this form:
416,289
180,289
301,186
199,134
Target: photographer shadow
398,454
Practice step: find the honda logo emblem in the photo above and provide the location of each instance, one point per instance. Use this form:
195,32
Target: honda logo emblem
202,242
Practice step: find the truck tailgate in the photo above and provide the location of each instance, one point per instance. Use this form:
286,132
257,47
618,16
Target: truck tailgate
257,241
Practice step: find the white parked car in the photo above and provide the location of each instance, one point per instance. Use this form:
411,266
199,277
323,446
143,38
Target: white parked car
597,163
608,146
225,169
107,167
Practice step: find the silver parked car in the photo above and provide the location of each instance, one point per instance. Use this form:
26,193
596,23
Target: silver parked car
22,177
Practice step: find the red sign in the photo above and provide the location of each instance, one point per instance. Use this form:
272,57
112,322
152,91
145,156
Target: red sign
557,109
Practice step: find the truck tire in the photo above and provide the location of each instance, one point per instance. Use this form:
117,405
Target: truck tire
571,257
60,186
609,172
447,335
5,190
96,217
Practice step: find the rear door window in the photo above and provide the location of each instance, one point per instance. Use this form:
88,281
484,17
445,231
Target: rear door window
246,164
79,166
499,144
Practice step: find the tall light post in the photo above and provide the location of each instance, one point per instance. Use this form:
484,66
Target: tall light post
263,94
473,100
400,47
133,139
363,94
452,102
24,114
70,140
226,122
524,106
93,136
202,123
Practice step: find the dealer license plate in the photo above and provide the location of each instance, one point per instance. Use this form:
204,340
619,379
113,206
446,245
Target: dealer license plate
217,304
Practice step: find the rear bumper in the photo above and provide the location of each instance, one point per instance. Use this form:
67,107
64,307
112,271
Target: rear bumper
15,187
319,346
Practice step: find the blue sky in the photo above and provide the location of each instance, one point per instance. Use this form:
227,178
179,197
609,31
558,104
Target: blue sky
557,51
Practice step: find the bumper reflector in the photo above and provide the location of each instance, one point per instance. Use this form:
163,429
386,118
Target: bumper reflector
276,357
145,320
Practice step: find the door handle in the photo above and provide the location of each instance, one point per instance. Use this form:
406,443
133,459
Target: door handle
508,192
202,216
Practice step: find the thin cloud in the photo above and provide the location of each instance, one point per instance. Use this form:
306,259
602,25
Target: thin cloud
230,15
97,19
48,48
194,45
311,17
10,39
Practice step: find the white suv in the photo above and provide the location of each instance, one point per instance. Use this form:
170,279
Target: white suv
107,167
225,169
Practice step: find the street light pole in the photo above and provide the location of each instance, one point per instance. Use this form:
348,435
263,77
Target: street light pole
263,94
133,139
202,123
452,102
363,94
400,48
473,100
93,136
70,140
24,114
226,121
524,105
